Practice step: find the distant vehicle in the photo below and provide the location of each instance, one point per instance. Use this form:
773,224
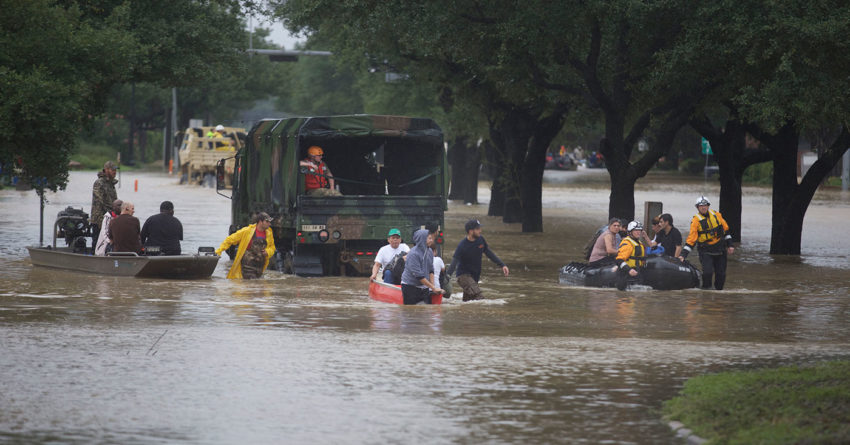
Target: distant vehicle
199,155
391,171
558,162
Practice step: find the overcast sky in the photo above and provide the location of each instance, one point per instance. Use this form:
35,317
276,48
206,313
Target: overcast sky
279,35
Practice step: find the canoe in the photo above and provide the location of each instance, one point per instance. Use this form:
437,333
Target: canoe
391,293
123,264
660,272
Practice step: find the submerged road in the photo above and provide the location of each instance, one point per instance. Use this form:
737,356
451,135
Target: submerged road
88,359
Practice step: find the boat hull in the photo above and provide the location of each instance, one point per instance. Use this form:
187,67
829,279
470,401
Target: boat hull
391,293
175,267
660,272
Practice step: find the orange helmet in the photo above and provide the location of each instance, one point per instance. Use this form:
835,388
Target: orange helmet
315,151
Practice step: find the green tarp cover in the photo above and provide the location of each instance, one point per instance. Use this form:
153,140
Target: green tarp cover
415,129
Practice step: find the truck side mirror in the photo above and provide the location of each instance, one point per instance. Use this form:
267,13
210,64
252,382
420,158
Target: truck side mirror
220,175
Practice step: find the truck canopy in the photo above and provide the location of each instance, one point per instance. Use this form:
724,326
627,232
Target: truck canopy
369,155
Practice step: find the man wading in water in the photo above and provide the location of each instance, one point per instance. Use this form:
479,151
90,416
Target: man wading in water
710,232
256,246
467,261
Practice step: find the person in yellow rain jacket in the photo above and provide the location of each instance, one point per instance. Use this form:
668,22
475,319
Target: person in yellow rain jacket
256,246
711,233
631,255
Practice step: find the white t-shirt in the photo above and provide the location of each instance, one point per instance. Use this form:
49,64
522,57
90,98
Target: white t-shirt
438,266
387,253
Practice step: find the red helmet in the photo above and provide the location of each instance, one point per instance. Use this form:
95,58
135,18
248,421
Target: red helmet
315,151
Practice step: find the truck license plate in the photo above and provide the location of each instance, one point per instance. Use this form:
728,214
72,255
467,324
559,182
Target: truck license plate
312,227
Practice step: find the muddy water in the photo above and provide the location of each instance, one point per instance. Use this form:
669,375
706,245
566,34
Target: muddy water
97,359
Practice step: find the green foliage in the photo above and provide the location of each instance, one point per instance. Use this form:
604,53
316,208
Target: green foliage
93,156
796,404
60,60
692,166
52,78
760,174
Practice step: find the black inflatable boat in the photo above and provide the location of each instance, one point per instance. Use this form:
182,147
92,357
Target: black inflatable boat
660,272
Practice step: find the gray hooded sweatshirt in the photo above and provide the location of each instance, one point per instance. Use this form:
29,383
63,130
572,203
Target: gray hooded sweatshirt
420,261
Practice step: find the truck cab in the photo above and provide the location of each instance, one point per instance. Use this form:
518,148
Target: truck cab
391,171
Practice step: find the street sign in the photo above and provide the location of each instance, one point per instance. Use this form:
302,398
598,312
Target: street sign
706,147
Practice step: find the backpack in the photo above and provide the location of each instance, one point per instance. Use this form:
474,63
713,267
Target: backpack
396,266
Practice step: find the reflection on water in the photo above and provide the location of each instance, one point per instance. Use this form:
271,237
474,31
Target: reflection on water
87,359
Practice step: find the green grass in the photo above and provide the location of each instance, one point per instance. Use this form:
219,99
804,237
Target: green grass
790,405
92,156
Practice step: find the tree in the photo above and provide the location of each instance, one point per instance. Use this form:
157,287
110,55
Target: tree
51,79
613,48
54,79
774,65
469,49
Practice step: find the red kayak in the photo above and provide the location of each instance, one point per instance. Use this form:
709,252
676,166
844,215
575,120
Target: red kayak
391,293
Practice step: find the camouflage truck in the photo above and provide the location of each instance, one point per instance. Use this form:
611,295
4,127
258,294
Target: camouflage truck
390,170
199,154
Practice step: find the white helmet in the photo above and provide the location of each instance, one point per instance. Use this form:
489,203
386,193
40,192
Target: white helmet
219,127
703,201
634,225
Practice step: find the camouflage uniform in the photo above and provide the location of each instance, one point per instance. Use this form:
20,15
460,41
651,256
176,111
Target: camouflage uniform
103,194
254,258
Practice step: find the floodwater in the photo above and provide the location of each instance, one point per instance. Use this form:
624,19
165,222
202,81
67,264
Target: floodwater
85,358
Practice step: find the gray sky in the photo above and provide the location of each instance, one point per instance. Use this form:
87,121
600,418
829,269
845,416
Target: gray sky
279,34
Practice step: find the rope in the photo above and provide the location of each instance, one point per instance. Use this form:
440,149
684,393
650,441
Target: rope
435,171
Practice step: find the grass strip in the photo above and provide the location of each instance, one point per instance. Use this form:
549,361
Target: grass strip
790,405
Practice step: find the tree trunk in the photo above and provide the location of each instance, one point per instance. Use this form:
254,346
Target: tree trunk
787,228
621,201
472,167
457,160
790,199
729,146
532,169
496,166
143,146
510,135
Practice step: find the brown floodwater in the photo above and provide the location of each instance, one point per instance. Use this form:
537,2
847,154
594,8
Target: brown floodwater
85,358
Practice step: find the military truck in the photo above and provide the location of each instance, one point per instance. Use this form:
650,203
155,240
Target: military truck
199,154
391,171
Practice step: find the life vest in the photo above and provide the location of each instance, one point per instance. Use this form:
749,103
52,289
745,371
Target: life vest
313,180
710,229
638,256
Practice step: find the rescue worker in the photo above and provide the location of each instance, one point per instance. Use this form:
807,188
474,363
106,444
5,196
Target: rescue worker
710,232
318,179
102,196
218,132
256,247
631,256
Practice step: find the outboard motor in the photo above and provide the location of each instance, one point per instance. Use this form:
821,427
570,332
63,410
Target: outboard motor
73,225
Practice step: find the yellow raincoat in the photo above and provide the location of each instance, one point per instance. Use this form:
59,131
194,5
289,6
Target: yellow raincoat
243,237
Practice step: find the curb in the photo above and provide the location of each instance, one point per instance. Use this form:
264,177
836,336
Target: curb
685,433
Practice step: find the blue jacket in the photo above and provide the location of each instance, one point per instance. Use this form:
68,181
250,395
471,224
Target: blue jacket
420,261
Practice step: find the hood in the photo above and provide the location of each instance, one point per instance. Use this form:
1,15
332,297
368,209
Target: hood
102,174
420,238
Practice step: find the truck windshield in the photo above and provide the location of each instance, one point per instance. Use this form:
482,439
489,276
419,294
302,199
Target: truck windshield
383,166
